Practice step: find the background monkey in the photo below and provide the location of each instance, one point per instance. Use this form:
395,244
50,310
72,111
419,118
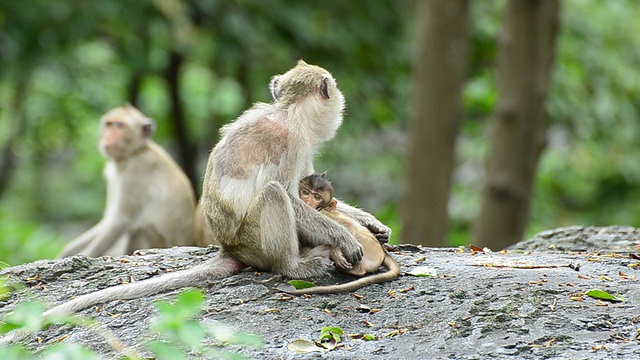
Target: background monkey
250,198
150,202
317,192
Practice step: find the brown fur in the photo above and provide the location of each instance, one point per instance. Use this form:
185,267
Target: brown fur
374,254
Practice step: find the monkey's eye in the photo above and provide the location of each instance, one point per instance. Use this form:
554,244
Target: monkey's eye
317,197
324,88
304,192
116,124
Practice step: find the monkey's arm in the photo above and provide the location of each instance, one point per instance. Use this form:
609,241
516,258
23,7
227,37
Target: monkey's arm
315,229
381,231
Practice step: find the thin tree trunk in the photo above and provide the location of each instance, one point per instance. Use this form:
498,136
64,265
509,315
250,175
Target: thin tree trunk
133,89
186,150
7,155
518,132
439,71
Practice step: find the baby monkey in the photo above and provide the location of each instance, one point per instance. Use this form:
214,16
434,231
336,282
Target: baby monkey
317,192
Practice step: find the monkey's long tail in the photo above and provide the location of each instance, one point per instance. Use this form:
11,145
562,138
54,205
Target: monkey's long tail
389,275
216,268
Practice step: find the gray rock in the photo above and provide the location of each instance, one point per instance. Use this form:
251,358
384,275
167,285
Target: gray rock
584,238
480,306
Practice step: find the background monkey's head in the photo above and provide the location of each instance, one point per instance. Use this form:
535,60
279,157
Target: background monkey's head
124,131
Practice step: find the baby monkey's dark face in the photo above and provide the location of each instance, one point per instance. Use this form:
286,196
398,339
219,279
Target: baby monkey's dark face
316,191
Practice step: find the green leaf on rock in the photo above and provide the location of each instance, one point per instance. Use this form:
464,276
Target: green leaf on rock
331,333
301,284
602,295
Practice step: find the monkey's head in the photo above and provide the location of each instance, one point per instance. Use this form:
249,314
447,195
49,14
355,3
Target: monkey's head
316,191
310,92
124,131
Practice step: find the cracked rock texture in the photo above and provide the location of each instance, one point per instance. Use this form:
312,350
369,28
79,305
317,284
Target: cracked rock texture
527,302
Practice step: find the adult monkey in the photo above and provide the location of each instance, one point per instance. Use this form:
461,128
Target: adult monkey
250,196
150,202
202,233
250,191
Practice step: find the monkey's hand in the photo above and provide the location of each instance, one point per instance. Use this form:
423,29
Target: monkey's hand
351,250
315,229
339,261
381,231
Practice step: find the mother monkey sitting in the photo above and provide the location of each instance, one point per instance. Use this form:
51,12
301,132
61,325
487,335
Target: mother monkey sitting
250,194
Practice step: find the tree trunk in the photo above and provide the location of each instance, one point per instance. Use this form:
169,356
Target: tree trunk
186,150
518,132
133,88
7,155
439,70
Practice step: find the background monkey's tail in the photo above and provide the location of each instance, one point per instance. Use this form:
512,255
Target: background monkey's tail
389,275
219,267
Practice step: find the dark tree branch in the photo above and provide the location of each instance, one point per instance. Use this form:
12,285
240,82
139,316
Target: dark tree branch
186,150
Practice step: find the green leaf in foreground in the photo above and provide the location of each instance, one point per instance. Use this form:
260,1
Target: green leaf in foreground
331,333
603,295
26,316
301,284
166,351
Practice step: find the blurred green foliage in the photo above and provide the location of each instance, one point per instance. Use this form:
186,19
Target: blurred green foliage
179,334
63,64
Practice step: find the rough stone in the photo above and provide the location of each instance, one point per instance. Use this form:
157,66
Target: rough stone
522,303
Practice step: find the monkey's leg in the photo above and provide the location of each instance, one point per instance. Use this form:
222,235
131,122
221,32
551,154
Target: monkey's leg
104,240
318,251
270,220
75,246
145,238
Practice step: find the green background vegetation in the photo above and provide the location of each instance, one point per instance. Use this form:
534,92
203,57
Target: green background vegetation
64,63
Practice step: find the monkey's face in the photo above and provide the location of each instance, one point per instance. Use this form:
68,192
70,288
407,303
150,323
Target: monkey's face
314,199
123,131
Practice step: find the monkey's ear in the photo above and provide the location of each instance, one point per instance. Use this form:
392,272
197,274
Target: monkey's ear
332,205
323,175
148,128
273,85
324,88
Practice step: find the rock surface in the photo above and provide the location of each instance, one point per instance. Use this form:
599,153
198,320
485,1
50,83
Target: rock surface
516,304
